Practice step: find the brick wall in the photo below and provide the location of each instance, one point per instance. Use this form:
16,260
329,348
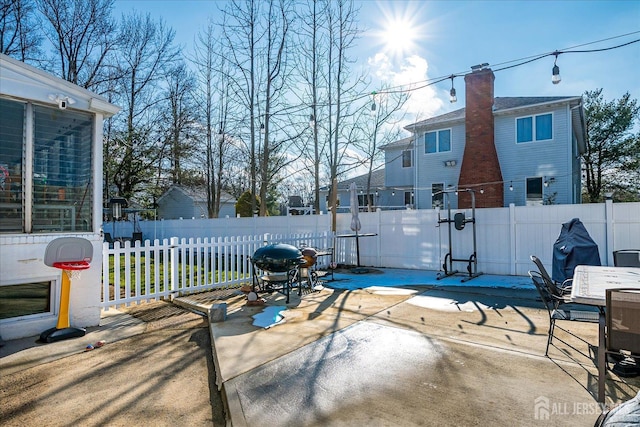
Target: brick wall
480,167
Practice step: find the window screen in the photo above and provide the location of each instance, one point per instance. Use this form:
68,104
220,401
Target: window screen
444,143
62,190
430,142
543,127
11,154
525,129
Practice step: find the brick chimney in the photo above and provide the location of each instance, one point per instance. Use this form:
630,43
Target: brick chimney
480,163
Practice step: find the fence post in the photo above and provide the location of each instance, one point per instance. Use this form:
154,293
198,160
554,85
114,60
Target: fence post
174,262
379,238
512,239
609,234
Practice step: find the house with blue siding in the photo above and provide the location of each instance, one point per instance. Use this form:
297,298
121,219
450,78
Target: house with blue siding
506,150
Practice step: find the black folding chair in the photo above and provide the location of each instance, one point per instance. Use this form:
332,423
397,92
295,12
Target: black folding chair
560,308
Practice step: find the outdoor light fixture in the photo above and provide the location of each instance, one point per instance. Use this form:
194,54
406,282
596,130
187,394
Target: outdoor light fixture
452,93
549,181
555,77
511,186
373,103
61,100
481,190
449,163
393,193
117,204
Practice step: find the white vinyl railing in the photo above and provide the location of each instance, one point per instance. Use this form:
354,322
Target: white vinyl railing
152,270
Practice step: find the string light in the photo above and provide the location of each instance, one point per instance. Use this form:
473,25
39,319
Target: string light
433,81
555,72
452,93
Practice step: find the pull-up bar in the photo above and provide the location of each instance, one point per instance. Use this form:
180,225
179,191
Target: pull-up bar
459,220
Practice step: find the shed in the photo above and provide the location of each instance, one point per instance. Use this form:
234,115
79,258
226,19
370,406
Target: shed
181,202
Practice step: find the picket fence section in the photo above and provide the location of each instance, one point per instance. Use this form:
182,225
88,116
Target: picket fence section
156,269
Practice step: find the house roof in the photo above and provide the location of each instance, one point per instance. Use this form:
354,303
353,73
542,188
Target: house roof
500,104
377,181
23,81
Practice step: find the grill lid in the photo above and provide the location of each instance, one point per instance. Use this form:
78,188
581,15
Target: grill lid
278,257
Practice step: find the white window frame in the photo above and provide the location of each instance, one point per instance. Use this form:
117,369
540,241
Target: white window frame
534,136
437,132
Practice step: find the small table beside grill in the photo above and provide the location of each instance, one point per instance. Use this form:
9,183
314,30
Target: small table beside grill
590,284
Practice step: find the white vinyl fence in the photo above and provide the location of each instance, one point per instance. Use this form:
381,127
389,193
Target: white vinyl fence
151,270
412,239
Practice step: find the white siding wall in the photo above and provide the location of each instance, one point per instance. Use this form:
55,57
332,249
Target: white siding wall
21,261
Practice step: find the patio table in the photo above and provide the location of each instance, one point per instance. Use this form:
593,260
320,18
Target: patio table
590,284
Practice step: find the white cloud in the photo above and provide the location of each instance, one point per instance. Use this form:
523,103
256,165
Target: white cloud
410,74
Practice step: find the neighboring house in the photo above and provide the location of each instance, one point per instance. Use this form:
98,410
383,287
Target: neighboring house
50,186
379,194
180,202
520,150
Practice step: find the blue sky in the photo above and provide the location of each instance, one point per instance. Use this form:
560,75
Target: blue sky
440,38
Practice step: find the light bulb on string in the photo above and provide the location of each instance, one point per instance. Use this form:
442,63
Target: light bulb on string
555,72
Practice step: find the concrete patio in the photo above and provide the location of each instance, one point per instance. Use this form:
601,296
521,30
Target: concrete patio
388,347
399,347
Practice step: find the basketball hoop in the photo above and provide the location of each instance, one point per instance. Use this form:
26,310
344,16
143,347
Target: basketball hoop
71,255
72,268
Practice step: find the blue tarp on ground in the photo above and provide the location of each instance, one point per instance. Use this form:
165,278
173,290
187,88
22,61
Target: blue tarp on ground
573,247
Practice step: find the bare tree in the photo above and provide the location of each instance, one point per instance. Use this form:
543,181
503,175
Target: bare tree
147,53
215,102
18,35
83,34
276,38
343,32
311,54
240,33
376,123
181,118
